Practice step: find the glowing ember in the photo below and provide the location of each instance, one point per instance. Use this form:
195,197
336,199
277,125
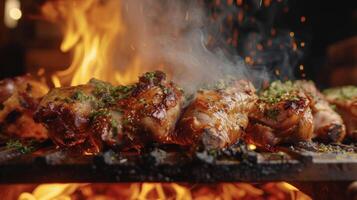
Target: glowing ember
142,191
252,147
301,67
303,19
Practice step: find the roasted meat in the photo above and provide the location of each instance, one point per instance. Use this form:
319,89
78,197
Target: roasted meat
19,98
80,116
216,118
282,115
345,101
152,109
89,115
328,125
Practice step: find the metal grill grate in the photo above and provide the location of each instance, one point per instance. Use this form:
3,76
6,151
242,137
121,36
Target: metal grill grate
303,162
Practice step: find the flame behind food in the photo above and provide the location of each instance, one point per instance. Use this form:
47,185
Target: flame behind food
91,29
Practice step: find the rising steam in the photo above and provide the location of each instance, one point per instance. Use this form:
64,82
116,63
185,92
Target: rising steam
174,34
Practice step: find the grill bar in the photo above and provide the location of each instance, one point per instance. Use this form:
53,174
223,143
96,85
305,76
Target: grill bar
304,162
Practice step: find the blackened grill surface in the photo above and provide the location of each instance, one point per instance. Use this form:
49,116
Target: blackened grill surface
303,162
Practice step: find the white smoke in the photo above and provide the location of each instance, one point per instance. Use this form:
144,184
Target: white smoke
174,33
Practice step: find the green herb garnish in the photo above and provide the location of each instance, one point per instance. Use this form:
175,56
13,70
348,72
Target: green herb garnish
114,125
150,75
212,152
279,91
81,96
167,90
125,121
272,114
101,112
107,94
16,144
343,93
142,101
123,89
68,100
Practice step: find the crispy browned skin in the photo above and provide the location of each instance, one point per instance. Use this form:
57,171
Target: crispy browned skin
217,118
68,117
345,100
152,109
83,117
328,125
19,98
282,115
125,116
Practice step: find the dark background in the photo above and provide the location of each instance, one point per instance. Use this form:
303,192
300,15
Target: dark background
34,43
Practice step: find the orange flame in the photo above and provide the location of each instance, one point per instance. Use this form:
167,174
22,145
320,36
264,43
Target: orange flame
92,30
143,191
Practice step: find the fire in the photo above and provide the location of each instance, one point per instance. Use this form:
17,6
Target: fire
50,191
143,191
92,30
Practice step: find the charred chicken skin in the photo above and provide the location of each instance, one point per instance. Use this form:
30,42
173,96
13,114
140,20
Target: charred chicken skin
152,109
66,112
123,116
216,118
83,116
328,125
282,115
345,101
19,98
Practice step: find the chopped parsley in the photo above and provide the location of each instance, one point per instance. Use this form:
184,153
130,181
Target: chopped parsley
121,92
16,144
278,91
213,152
165,89
343,93
150,75
123,89
77,96
67,100
114,125
272,114
126,121
142,101
81,96
96,113
102,91
107,94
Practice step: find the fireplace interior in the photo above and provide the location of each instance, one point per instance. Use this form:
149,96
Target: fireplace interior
64,43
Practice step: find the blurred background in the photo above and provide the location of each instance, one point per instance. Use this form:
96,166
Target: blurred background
293,38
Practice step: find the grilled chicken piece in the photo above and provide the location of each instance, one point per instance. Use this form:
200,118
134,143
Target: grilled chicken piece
68,113
282,115
345,100
216,118
152,109
328,125
19,98
125,116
